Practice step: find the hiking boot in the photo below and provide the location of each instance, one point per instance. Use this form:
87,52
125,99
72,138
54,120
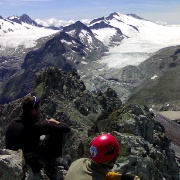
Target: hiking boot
53,171
38,176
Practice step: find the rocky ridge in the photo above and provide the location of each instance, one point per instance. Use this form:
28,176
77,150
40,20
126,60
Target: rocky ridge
145,149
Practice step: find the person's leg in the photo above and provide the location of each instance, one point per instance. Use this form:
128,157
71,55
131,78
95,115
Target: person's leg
48,151
51,147
33,161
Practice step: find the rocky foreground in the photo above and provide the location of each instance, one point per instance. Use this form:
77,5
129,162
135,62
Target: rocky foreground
145,149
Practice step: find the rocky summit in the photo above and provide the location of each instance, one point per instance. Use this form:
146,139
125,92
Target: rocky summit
145,149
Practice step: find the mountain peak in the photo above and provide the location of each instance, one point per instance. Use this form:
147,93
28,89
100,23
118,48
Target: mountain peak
26,19
97,20
78,26
112,16
100,25
79,23
135,16
23,19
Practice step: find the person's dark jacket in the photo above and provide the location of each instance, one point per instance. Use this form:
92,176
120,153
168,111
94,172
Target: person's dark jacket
23,134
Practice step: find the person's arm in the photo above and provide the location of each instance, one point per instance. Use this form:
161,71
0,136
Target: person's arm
53,121
52,126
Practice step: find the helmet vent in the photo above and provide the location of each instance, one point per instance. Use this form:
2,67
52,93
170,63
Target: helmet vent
111,151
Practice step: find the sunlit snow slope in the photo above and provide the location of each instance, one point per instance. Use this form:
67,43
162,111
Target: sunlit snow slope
150,38
13,34
144,38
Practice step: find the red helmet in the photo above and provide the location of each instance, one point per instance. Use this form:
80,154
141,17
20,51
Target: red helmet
104,148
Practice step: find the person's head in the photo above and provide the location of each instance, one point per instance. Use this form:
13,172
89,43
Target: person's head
104,149
31,107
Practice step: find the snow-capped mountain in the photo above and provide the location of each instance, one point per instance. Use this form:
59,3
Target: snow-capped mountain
145,38
18,35
126,24
84,34
101,50
23,19
21,31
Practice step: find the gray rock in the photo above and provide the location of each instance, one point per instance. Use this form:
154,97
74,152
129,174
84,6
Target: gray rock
11,165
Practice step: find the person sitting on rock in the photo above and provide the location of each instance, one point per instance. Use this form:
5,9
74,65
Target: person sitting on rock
104,149
24,133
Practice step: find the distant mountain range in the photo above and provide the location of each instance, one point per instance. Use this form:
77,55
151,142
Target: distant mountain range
27,47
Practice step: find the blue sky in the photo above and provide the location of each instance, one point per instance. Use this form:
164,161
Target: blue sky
154,10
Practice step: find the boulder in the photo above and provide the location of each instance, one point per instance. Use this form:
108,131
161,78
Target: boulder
11,165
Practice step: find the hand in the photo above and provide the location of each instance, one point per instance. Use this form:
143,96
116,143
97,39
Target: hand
129,177
136,178
113,176
53,121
